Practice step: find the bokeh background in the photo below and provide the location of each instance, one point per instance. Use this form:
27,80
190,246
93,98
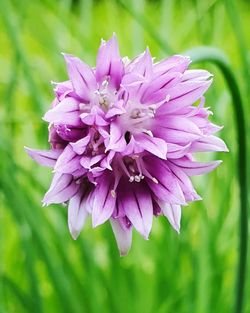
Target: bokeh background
41,268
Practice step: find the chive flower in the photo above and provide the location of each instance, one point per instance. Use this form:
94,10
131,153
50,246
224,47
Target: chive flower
122,140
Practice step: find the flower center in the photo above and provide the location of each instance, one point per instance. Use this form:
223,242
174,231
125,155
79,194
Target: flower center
104,97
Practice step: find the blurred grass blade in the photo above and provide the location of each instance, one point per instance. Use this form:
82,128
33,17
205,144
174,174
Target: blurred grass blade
213,55
140,18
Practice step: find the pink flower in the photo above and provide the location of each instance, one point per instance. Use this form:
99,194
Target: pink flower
122,138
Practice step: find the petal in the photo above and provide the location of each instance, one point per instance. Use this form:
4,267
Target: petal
137,204
123,236
164,185
116,109
184,94
62,188
68,162
104,202
79,147
192,168
208,143
196,75
117,141
109,63
81,76
172,213
157,89
153,145
69,133
176,151
184,182
176,63
44,157
77,213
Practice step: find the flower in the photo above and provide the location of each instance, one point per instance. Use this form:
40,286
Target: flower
122,138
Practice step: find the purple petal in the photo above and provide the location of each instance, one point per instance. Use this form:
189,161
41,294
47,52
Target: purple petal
176,63
68,162
166,186
208,143
123,236
137,203
185,183
104,202
176,151
81,76
109,63
77,213
79,147
184,94
193,168
117,141
173,214
153,145
62,188
44,157
157,89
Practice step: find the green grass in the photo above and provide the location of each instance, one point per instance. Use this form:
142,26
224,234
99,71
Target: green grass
41,268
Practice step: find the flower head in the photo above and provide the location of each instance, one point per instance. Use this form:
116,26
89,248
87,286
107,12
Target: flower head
122,138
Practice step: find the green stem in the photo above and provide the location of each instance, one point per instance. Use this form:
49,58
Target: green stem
215,56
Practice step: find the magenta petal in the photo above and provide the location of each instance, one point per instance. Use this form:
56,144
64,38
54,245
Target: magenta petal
184,94
123,236
66,112
117,141
109,63
176,63
68,162
172,213
62,188
157,89
184,182
104,202
208,143
138,207
196,75
77,213
193,168
44,157
81,76
176,151
79,147
153,145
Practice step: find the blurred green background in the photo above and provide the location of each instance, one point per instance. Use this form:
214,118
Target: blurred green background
41,268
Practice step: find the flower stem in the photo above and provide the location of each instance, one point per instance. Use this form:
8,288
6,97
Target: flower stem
213,55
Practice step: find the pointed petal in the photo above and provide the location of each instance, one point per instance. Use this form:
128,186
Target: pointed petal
109,63
123,236
81,76
44,157
208,143
117,141
104,202
176,63
66,112
137,203
153,145
166,186
79,146
192,168
68,161
184,94
62,188
172,213
77,213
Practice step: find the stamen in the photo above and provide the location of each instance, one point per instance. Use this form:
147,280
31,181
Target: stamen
131,179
